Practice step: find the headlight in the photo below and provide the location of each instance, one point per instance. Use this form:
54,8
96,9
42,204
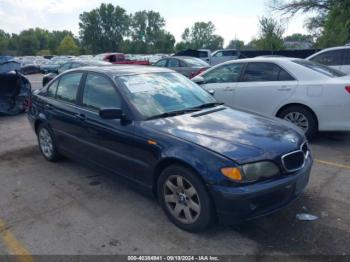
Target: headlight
251,172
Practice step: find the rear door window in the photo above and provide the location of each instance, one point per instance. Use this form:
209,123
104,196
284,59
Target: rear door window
68,87
219,54
229,53
173,63
330,58
346,60
265,72
161,63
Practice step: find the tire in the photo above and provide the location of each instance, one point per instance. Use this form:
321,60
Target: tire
47,143
301,113
194,207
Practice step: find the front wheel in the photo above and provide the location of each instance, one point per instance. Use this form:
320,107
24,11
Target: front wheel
301,117
184,199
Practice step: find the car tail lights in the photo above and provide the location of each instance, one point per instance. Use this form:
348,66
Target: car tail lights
198,72
348,89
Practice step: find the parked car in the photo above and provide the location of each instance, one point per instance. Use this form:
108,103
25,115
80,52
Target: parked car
30,69
49,66
172,139
204,54
310,95
221,56
70,65
14,87
188,66
336,57
119,58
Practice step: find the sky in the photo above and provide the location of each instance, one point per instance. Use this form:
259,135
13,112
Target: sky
234,19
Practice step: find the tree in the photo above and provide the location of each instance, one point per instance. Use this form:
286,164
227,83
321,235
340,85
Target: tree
235,44
104,28
4,41
68,46
28,44
271,32
201,35
148,34
330,25
55,38
299,37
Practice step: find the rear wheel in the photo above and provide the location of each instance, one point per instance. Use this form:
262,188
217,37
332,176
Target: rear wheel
301,117
47,143
184,199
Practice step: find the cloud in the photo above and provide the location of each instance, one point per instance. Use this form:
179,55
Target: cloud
239,21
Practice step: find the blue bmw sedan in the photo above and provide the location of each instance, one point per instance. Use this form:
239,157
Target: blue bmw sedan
154,127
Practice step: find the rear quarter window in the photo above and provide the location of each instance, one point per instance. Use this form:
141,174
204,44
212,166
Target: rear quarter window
68,87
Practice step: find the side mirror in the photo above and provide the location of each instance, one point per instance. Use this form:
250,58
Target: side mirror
212,92
198,80
111,113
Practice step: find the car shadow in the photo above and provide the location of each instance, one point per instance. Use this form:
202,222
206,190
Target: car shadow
330,138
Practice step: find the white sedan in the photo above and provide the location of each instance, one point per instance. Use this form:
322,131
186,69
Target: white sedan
312,96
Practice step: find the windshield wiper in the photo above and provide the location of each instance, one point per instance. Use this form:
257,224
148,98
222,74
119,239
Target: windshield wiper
208,105
174,113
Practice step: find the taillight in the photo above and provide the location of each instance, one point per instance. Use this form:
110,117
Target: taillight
198,72
28,103
348,89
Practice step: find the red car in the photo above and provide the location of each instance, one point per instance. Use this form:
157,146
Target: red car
119,58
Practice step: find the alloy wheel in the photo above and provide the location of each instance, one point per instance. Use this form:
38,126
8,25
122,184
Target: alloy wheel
181,198
298,119
45,142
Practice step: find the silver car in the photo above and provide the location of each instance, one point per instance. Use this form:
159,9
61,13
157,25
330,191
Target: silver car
224,55
188,66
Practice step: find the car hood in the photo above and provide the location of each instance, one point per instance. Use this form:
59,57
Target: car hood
240,136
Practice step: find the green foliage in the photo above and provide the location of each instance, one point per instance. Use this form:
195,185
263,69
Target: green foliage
104,28
32,42
336,30
299,37
201,35
330,22
28,44
44,52
68,46
235,44
4,41
271,32
148,34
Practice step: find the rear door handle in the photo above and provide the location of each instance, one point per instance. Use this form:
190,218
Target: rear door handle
81,117
49,107
229,88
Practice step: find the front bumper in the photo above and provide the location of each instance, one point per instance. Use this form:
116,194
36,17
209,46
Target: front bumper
236,204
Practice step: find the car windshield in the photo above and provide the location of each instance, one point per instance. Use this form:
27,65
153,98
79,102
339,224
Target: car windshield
157,94
195,62
325,70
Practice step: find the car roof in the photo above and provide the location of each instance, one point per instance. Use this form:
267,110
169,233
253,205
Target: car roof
121,70
182,57
261,59
335,48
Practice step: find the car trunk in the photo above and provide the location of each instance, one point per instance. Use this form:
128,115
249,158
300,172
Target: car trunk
14,89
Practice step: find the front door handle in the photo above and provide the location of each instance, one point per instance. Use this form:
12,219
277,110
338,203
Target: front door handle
229,88
81,117
284,88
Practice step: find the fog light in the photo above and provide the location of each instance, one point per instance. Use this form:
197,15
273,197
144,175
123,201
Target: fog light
232,173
